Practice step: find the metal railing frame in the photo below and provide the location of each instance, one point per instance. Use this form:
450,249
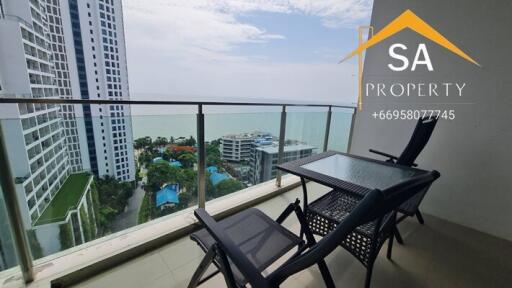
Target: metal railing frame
24,253
14,214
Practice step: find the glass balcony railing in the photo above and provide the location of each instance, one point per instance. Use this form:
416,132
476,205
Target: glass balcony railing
240,144
305,132
8,258
165,160
113,167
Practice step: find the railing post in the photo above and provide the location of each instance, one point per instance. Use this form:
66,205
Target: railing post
202,158
280,153
350,134
14,214
327,128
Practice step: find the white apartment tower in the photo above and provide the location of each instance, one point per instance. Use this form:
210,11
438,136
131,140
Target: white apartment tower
72,50
36,138
66,78
237,147
100,52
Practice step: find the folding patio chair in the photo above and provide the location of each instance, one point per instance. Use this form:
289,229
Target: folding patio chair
244,245
419,139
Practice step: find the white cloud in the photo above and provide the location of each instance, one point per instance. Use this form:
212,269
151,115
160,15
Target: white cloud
185,47
335,13
189,26
212,25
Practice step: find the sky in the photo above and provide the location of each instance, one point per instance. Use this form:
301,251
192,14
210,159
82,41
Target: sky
243,50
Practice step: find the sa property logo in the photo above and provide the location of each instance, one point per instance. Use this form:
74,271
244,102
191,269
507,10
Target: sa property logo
406,20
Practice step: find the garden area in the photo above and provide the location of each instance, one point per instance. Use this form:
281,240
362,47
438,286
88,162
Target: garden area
174,161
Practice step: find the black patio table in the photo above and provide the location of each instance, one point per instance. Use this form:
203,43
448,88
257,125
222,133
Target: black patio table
351,178
348,173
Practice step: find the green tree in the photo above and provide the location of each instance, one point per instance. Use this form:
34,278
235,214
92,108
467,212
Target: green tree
161,173
65,236
113,197
95,202
187,178
213,154
146,158
141,143
185,199
107,216
160,141
167,155
187,159
228,186
191,141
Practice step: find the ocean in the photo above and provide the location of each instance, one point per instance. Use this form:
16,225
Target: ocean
308,127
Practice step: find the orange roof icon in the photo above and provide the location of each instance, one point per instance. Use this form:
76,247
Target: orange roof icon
410,20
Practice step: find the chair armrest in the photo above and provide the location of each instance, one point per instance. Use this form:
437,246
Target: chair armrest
241,261
391,157
384,154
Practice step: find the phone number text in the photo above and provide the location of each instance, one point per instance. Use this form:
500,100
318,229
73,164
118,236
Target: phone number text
413,114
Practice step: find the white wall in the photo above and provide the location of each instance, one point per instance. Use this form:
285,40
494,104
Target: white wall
473,151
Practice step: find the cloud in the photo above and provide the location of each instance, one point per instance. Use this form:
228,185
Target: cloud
186,47
213,25
190,27
336,13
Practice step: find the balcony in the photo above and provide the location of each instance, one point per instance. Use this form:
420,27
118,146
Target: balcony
59,227
148,243
416,263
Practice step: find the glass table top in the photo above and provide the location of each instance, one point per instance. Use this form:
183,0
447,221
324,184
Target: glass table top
362,172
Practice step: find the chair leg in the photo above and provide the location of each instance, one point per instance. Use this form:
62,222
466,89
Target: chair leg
201,269
305,231
398,236
390,246
420,217
368,280
225,268
324,270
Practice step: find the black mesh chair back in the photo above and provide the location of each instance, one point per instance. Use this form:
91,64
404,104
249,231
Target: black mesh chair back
400,193
418,141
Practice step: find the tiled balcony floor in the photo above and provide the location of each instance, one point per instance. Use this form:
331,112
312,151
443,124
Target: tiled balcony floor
439,254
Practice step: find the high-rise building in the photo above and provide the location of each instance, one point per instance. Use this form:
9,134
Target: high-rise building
36,138
98,35
237,147
72,50
62,48
264,157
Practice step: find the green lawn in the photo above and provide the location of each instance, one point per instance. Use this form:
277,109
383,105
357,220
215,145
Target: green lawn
144,210
67,198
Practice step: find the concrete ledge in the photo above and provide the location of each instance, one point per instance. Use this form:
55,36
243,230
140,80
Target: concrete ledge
77,264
